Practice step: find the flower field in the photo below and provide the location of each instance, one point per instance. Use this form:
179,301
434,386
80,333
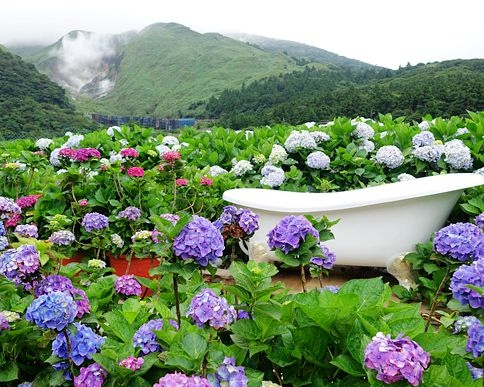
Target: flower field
72,206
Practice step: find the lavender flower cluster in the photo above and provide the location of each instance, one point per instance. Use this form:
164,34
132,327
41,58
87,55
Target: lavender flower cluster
8,207
328,259
272,176
20,265
3,322
91,376
127,285
297,140
83,344
475,340
132,363
94,221
130,213
396,359
463,323
181,380
290,232
246,219
27,230
228,374
465,275
146,339
62,238
55,310
206,308
389,156
479,220
317,160
423,139
461,241
201,241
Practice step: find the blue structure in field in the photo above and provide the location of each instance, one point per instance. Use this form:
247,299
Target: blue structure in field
149,122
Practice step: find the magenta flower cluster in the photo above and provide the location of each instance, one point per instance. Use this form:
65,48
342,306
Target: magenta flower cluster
228,374
27,201
55,310
20,265
81,154
94,221
207,308
290,233
127,285
129,152
130,213
136,172
177,379
83,344
396,359
461,241
91,376
201,241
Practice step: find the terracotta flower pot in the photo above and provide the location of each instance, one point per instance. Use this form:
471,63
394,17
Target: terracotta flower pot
76,258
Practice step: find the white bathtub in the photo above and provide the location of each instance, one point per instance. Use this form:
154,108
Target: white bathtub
377,225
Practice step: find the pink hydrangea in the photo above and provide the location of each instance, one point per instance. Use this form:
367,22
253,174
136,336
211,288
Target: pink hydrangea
171,156
27,201
132,363
136,172
206,181
129,152
181,182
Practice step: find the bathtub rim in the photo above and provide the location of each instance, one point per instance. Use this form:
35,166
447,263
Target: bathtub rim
309,202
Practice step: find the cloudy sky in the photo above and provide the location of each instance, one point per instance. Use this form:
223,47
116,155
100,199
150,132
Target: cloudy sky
381,32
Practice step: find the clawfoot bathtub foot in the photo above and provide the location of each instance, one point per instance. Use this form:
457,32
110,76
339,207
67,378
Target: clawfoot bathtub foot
402,271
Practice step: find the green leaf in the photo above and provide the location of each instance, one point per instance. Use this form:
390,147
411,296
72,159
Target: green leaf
9,372
349,365
194,345
131,309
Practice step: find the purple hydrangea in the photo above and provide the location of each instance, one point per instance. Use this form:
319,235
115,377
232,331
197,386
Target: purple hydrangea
228,374
8,207
242,314
246,219
25,384
21,264
479,220
465,275
290,232
206,308
84,343
332,288
95,221
461,241
463,323
229,215
132,363
130,213
317,160
475,340
3,232
91,376
177,379
62,238
199,240
128,285
52,311
27,230
396,359
59,283
173,218
146,339
476,373
3,322
328,259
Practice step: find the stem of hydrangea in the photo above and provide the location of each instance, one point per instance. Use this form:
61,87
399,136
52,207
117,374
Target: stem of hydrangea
434,301
320,278
303,278
69,350
177,298
174,193
276,373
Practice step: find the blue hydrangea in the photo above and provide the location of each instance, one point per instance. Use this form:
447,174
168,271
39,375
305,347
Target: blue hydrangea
3,322
479,220
461,241
94,221
206,308
389,156
201,241
290,232
4,243
465,275
84,343
332,288
423,139
146,339
228,374
463,323
318,160
320,136
475,340
3,232
55,310
476,373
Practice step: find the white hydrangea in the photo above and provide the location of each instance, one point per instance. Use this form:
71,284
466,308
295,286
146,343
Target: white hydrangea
176,147
278,154
272,176
91,174
96,263
259,158
424,125
480,171
162,149
405,177
115,157
429,153
389,156
367,145
185,144
457,155
215,170
249,133
320,136
111,129
68,134
124,142
10,316
61,171
105,161
43,143
73,141
170,141
299,140
423,138
54,158
241,168
309,125
140,235
461,131
363,130
267,383
318,160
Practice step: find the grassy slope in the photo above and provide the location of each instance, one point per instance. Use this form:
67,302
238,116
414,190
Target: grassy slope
167,67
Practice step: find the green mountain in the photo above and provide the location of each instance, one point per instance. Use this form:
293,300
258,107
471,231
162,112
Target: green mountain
30,104
439,89
300,51
164,70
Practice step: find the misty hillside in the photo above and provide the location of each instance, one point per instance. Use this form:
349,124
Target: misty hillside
30,104
300,51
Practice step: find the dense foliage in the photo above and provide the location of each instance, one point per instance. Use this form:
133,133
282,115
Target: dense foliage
440,89
30,104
